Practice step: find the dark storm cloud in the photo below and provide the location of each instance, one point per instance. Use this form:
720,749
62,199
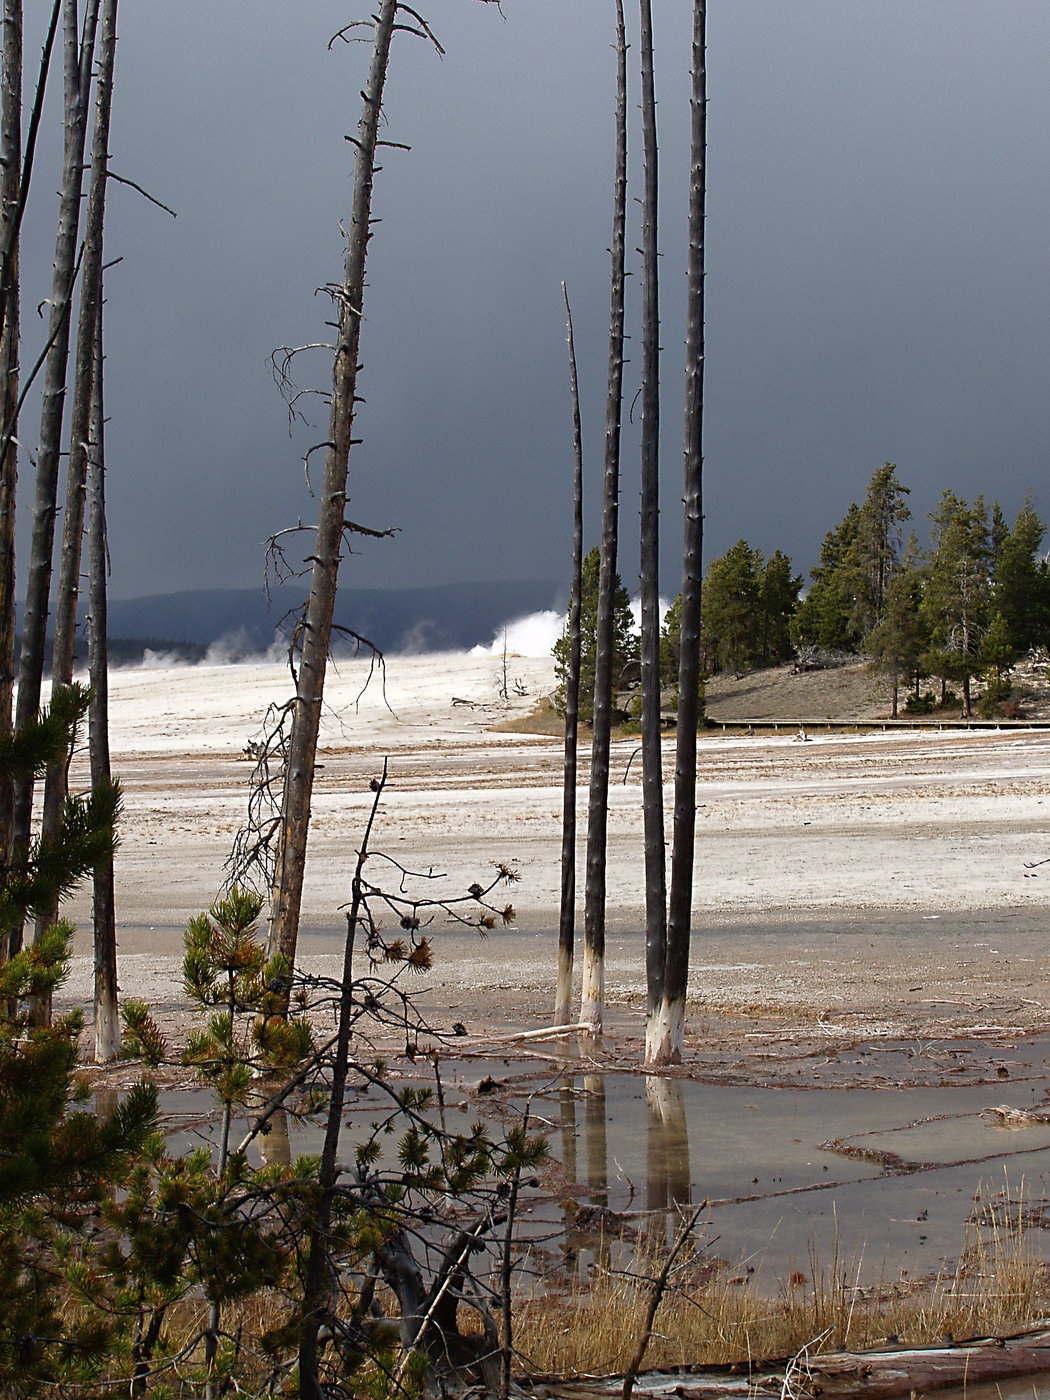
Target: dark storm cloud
878,287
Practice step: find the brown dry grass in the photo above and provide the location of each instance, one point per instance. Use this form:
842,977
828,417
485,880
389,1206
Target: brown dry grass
708,1317
997,1287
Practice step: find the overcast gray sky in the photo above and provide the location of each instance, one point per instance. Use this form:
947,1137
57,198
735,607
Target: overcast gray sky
878,279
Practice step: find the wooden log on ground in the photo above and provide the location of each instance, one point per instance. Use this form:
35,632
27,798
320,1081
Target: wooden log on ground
875,1375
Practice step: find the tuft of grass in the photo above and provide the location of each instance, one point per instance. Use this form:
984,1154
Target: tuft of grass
709,1316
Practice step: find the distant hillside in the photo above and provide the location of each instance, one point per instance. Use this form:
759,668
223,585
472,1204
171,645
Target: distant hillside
842,693
846,693
446,618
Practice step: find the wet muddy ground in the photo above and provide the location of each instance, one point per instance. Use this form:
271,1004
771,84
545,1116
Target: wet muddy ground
876,1159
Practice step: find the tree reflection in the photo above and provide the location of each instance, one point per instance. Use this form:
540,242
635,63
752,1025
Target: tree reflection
596,1144
567,1124
668,1176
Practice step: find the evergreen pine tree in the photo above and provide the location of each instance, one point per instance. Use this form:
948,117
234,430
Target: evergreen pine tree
730,631
625,640
825,617
671,645
34,879
999,533
857,562
778,600
58,1163
898,643
874,554
958,592
998,651
1022,585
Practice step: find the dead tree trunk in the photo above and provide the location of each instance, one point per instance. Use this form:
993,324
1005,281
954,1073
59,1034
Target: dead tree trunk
665,1028
107,1019
10,185
21,165
567,918
332,524
592,1009
316,1281
67,593
78,61
652,759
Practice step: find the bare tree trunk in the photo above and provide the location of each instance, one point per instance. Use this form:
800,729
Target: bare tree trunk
19,163
78,60
68,590
332,522
10,184
652,758
567,918
317,1273
107,1019
665,1030
592,1008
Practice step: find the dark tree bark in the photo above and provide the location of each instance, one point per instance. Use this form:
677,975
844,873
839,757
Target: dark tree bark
567,916
592,1010
317,1274
666,1026
67,593
107,1018
78,56
652,758
10,185
332,522
21,165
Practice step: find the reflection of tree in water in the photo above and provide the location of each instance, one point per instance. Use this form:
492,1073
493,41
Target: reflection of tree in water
596,1140
567,1124
584,1223
668,1175
590,1225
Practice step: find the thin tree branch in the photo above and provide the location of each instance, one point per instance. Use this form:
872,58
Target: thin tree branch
132,184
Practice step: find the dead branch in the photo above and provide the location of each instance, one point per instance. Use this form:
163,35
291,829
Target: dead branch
346,36
353,528
132,184
276,563
655,1298
251,859
423,32
412,911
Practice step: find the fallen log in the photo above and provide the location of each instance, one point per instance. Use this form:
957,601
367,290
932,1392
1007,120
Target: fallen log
883,1374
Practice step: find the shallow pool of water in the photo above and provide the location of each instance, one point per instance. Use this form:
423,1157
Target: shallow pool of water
874,1183
879,1183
